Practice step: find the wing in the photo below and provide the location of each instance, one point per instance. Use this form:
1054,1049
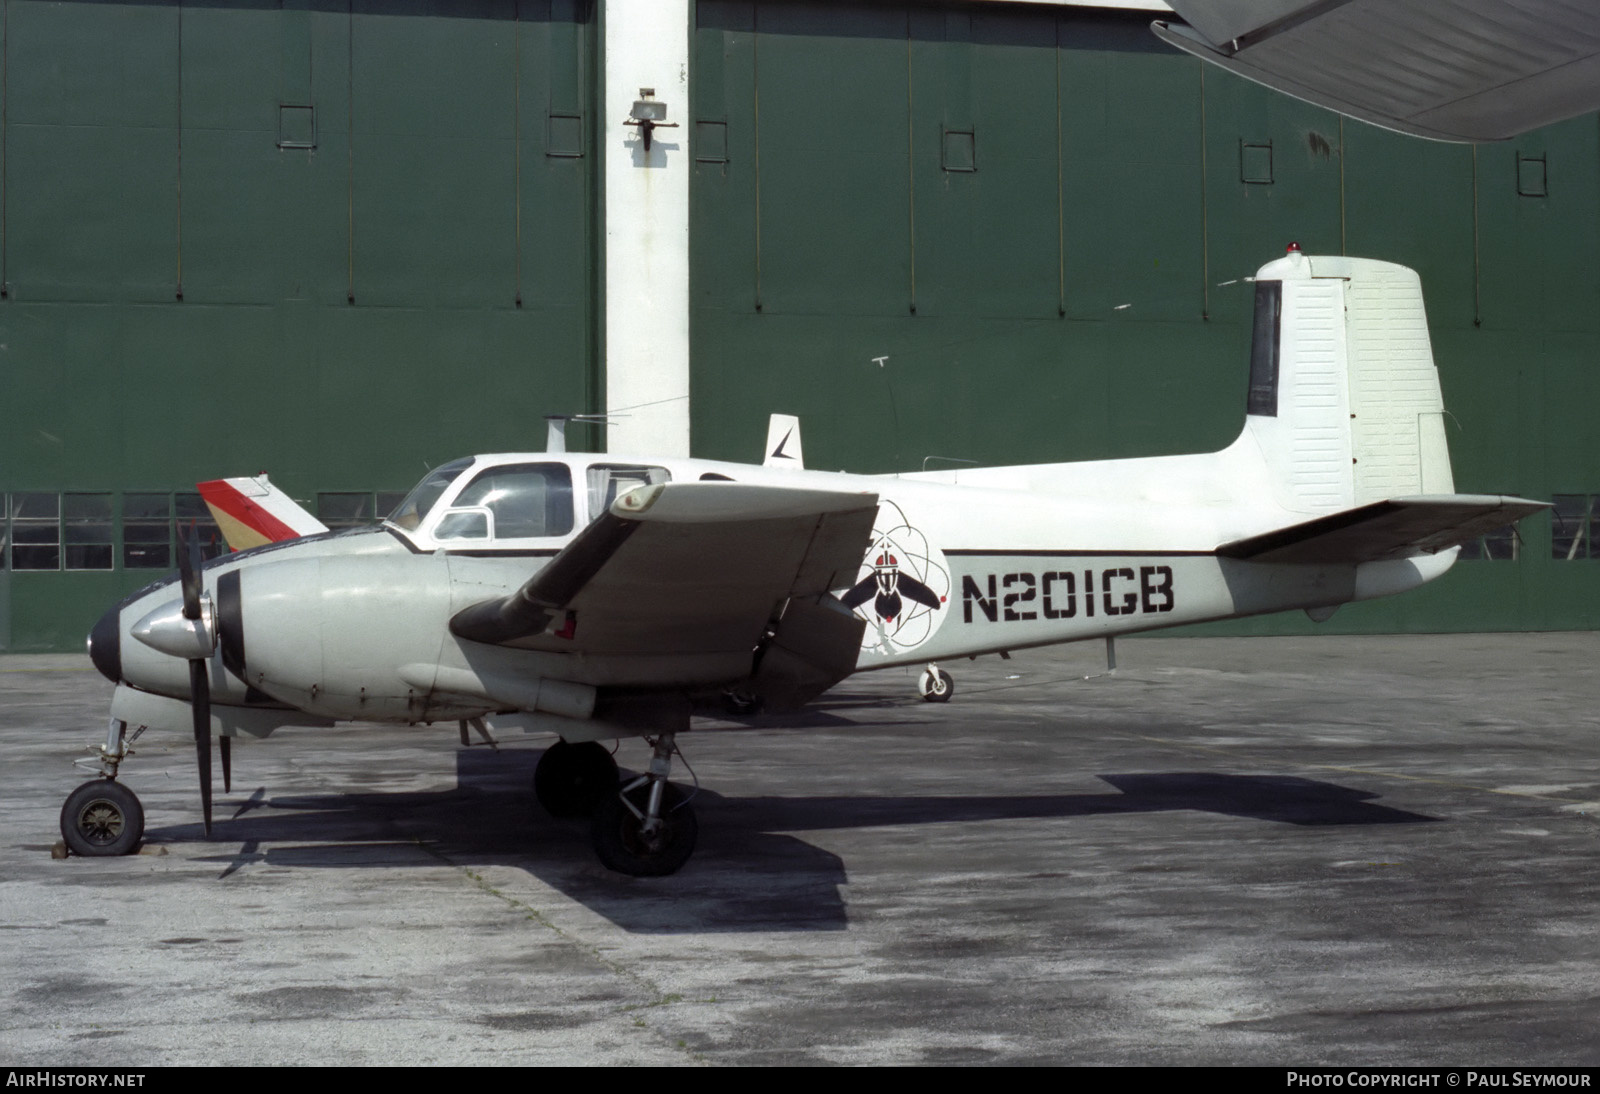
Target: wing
1460,71
692,567
1385,529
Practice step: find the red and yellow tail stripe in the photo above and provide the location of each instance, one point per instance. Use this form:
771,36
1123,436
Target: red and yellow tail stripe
251,512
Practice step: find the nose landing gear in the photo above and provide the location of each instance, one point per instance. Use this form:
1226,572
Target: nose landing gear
102,817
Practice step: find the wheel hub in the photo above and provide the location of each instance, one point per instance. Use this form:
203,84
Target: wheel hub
100,822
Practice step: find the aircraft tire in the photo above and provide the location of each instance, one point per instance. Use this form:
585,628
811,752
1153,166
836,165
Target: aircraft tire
101,818
741,705
572,779
622,848
939,688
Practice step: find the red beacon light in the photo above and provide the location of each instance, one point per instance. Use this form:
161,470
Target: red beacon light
1294,248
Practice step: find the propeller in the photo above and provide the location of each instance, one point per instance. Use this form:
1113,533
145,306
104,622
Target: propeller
193,582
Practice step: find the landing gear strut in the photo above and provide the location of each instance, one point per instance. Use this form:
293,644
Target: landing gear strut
647,828
103,817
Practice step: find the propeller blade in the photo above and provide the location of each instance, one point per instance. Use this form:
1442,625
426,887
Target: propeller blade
225,745
200,699
190,560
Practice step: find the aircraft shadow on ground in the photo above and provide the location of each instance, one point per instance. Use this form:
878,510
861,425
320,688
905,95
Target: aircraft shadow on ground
749,873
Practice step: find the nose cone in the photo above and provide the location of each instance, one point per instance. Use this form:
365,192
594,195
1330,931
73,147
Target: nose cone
167,629
105,645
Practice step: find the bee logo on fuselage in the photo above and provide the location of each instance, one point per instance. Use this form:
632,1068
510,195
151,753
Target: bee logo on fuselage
901,587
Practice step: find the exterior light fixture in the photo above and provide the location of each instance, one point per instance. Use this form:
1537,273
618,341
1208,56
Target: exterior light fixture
649,115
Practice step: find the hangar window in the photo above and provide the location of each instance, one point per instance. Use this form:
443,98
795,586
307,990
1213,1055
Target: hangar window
959,151
346,509
1532,177
1255,162
1573,527
1501,545
86,528
195,521
608,481
147,531
565,139
35,531
527,500
711,142
297,126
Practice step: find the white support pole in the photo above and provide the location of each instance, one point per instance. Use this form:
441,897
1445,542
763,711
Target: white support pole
647,229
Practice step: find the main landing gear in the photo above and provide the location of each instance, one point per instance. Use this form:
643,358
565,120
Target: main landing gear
103,817
935,685
572,779
645,828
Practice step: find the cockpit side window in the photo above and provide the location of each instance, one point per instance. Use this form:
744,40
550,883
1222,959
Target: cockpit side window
608,481
528,500
409,513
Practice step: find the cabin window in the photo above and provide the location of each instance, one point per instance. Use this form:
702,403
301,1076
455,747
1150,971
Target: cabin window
527,500
410,513
463,524
609,481
1264,349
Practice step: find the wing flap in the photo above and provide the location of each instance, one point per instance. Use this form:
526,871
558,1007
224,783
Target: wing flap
1386,529
686,567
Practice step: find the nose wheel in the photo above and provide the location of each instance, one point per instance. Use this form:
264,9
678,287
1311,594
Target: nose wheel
102,817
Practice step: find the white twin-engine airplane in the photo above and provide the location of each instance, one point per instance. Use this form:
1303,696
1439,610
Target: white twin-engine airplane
601,597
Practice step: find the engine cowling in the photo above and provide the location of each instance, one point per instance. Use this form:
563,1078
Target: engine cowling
329,635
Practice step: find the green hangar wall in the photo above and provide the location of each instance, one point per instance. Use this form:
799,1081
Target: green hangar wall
341,241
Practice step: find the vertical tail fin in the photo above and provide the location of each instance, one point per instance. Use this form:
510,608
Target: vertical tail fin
252,512
1344,400
783,442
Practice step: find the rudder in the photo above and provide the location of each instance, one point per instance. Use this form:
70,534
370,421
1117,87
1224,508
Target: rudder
1344,401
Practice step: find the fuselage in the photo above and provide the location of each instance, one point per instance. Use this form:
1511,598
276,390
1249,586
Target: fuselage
355,624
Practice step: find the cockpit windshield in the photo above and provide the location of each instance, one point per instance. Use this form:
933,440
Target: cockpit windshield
410,513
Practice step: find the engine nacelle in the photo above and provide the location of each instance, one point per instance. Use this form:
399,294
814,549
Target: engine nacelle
329,635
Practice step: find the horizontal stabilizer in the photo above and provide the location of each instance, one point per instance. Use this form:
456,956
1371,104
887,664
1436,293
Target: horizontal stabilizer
690,567
1385,529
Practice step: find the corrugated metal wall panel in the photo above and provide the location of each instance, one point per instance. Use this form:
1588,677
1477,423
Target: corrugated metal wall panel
1070,206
